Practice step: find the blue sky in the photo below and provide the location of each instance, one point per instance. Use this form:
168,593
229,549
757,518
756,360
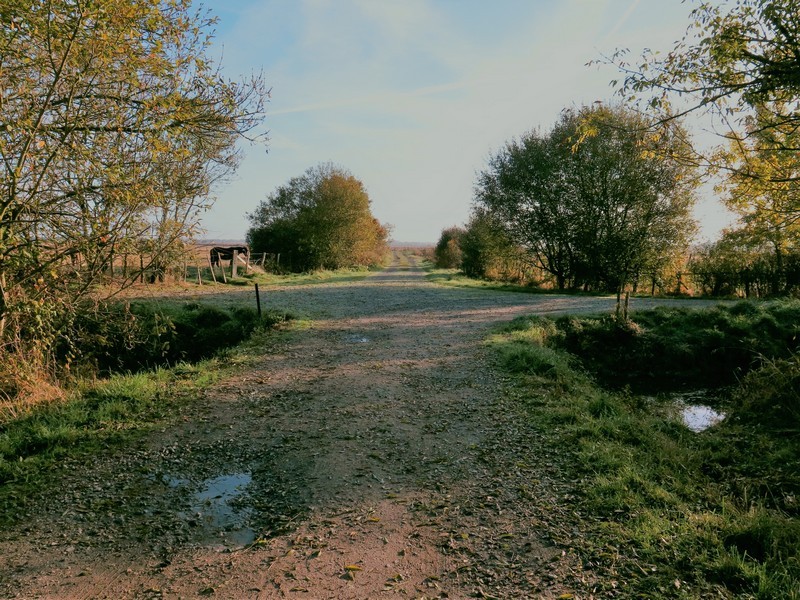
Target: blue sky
412,96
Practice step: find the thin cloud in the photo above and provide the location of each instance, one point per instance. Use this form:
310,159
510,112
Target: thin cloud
623,19
372,98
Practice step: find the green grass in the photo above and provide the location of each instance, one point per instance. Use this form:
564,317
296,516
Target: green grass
285,279
455,278
715,512
195,345
158,333
93,416
672,347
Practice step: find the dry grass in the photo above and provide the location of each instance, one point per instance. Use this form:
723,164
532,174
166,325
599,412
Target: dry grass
25,385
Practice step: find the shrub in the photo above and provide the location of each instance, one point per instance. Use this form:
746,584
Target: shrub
771,393
447,252
669,348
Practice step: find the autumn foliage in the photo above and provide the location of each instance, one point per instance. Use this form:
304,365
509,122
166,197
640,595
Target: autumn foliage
319,220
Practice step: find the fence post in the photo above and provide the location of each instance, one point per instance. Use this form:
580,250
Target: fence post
258,302
211,266
234,258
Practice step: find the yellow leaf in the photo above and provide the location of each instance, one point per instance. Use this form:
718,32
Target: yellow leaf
352,568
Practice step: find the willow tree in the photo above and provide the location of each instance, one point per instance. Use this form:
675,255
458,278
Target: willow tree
114,124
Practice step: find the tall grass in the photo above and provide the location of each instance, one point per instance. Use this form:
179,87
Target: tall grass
666,512
681,347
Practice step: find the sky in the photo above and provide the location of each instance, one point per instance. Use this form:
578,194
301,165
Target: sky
414,96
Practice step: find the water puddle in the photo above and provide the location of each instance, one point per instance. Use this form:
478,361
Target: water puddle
356,339
695,412
699,418
214,508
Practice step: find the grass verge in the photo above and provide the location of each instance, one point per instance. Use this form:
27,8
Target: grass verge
664,512
200,344
455,278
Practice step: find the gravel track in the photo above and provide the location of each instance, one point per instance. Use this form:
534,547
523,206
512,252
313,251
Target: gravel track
370,456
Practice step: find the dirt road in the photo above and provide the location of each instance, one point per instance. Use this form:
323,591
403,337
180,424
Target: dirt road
370,456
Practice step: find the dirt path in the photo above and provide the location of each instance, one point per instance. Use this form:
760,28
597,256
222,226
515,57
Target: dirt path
370,456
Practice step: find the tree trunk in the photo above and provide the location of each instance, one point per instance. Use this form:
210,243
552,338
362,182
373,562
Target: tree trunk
3,305
777,276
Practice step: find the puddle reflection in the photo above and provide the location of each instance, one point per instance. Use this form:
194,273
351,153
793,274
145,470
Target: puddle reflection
695,412
214,509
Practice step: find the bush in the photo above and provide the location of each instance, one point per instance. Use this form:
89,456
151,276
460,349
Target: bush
670,348
771,394
129,338
447,253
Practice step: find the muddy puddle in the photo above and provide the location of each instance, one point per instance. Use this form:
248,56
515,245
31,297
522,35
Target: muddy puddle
216,509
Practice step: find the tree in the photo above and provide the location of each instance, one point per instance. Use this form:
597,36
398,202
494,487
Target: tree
522,190
597,201
633,197
735,59
488,252
761,191
447,252
322,219
734,263
739,63
114,125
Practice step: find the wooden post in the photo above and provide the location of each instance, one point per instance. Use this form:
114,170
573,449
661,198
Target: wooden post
141,269
234,258
258,302
199,278
210,266
263,258
627,298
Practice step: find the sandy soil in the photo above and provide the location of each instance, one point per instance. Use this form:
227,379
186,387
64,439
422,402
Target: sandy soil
370,456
